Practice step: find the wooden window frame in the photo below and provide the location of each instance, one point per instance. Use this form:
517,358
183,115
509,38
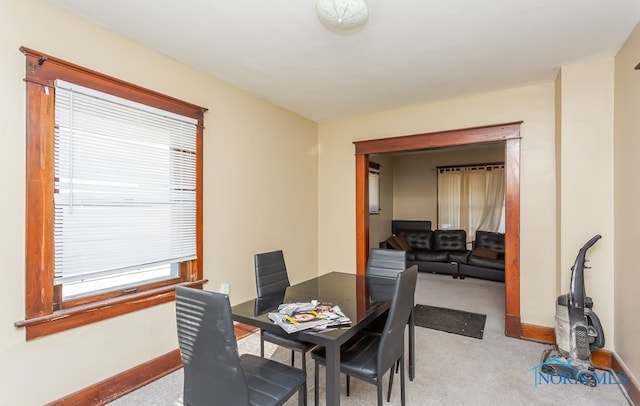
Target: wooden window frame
45,313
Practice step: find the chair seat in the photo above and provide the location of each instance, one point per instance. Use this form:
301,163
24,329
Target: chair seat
269,382
358,356
284,341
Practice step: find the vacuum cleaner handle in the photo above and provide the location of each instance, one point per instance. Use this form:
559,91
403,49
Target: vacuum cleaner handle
590,243
578,294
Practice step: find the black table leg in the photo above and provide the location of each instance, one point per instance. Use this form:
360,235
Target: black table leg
332,353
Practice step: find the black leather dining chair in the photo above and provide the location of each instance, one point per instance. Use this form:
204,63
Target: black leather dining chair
272,279
214,372
369,356
386,263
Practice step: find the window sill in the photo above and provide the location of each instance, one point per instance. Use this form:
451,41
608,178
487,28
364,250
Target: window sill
88,313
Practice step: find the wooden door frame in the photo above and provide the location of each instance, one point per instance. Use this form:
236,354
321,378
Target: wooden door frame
508,133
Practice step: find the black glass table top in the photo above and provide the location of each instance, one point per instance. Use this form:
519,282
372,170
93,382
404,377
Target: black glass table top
363,299
354,294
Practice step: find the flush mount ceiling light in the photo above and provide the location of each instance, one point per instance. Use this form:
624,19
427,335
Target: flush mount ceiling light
344,15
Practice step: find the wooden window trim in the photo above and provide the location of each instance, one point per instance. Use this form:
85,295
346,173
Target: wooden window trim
69,304
43,313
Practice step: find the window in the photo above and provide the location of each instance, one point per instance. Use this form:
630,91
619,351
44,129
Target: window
374,188
114,196
471,198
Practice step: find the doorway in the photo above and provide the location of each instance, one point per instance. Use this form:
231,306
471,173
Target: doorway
509,134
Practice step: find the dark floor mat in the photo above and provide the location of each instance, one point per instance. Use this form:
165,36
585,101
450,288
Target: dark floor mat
450,320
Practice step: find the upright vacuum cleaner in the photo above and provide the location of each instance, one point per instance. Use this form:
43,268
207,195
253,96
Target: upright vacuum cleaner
578,329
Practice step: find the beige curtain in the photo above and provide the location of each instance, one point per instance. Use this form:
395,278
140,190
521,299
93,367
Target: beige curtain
449,187
471,198
493,205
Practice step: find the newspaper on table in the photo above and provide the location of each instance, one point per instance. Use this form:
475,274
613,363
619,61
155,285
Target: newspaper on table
293,317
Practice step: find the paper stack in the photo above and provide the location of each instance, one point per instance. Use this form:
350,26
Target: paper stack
293,317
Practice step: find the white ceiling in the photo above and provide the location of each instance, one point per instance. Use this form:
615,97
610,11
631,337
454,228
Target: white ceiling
410,51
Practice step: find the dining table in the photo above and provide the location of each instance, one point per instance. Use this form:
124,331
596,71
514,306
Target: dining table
355,295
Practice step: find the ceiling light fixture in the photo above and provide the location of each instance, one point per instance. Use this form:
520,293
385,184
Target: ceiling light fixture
344,15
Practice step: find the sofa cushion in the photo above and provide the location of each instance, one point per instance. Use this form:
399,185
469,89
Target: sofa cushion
418,239
486,263
450,240
481,272
431,256
459,256
491,240
485,253
403,243
391,241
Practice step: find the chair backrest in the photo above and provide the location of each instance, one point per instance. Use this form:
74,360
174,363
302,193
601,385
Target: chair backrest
388,263
382,268
271,273
392,340
212,370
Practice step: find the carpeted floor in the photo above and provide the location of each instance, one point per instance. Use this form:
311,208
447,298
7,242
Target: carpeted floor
450,369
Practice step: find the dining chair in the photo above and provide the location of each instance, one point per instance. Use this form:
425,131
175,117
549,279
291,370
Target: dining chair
272,279
369,356
214,372
386,263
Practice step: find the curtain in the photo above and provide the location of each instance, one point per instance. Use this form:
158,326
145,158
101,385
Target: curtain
493,205
449,187
471,198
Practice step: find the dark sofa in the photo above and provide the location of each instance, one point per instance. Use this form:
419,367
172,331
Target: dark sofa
433,251
445,251
486,260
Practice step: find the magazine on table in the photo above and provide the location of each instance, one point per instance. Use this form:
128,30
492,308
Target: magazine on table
333,314
293,317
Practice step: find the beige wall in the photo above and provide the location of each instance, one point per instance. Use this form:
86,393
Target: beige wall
567,137
534,105
627,200
586,167
260,175
415,185
558,172
585,159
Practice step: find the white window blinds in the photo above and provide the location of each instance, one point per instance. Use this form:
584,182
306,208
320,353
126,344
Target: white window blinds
374,189
125,185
